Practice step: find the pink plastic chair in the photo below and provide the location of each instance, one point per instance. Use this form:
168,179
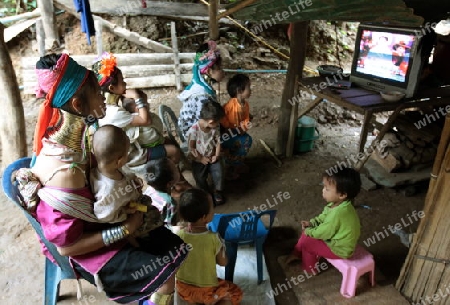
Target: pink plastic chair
353,268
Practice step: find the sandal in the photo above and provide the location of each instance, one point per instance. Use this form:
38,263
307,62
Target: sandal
218,198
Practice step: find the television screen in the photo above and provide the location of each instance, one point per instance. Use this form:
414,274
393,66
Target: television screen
387,58
385,54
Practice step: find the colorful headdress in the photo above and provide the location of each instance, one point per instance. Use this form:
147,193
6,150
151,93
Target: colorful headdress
105,68
60,82
205,60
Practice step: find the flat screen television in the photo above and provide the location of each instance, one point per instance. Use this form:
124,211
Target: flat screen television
387,58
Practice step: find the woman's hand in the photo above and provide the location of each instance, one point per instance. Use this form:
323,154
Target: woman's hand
133,222
214,159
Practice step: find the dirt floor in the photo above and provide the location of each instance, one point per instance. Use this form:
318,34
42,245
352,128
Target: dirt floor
299,177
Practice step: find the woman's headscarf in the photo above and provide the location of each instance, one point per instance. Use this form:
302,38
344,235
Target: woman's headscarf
60,82
105,68
202,62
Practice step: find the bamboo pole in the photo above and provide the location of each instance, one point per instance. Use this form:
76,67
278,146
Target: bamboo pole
12,124
176,58
407,272
213,23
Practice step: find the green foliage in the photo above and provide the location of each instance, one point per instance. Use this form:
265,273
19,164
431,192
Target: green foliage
8,7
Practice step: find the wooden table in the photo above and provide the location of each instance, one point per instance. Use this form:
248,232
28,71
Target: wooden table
368,103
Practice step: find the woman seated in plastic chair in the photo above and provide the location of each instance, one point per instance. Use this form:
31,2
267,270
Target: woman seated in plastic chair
99,252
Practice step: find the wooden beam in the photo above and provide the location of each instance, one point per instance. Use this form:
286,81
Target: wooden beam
29,15
171,10
123,59
213,24
236,8
49,23
295,68
156,81
133,36
99,36
176,58
17,28
40,38
12,124
293,124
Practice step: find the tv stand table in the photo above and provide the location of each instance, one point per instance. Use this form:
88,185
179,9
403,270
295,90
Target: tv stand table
368,103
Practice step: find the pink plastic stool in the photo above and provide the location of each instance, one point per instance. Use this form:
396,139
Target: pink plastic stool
353,268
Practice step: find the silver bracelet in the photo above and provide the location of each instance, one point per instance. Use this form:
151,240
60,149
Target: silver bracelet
140,103
113,235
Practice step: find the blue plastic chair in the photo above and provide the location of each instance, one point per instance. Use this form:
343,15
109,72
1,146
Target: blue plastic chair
53,273
240,229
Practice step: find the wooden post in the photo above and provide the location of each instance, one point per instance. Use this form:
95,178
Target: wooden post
295,68
40,37
48,19
213,23
176,58
98,36
12,124
293,124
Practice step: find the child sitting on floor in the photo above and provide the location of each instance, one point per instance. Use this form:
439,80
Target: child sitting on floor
204,148
196,280
235,123
116,193
163,179
335,232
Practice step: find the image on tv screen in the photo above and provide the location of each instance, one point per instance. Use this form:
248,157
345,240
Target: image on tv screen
384,54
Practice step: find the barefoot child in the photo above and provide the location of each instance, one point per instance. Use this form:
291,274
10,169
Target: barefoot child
196,281
335,232
204,148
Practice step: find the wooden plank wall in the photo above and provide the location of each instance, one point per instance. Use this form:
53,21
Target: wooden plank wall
143,70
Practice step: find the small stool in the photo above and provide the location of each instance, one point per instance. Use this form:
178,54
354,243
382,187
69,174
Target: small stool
353,268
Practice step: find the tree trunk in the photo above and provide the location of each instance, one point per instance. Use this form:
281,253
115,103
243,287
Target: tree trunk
295,68
425,274
12,124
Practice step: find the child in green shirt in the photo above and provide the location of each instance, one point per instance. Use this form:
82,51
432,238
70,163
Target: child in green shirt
335,232
196,280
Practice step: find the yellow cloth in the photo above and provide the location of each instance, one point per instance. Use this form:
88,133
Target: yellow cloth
236,115
199,268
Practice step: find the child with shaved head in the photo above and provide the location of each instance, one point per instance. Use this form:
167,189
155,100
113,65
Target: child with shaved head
114,190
